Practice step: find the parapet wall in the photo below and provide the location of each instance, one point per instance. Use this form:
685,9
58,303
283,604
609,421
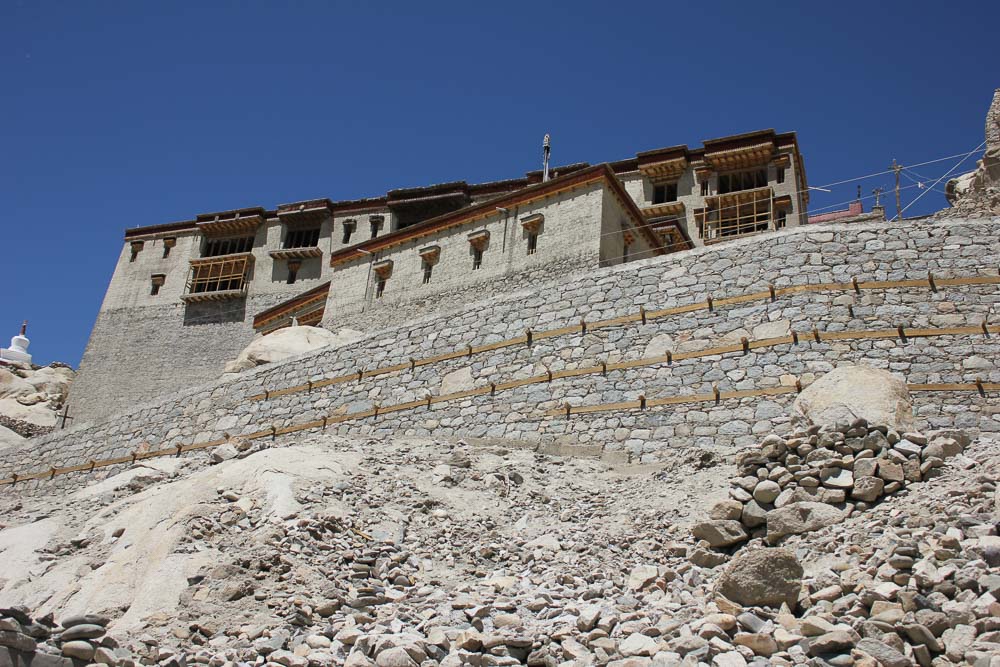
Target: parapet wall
698,339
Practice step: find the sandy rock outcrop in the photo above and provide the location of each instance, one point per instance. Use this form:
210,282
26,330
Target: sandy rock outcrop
977,193
33,395
287,342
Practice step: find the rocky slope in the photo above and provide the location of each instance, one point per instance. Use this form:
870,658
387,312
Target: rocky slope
328,551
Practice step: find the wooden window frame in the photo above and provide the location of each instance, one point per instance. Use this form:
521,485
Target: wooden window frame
301,237
226,274
742,179
226,245
668,190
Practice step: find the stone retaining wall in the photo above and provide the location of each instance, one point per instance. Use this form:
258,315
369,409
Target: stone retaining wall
806,255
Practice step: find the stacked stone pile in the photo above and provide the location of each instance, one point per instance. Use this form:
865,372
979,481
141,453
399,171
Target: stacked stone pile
77,640
816,476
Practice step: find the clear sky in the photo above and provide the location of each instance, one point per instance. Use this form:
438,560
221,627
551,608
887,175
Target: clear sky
122,114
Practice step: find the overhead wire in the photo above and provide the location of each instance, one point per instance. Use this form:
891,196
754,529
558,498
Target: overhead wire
943,176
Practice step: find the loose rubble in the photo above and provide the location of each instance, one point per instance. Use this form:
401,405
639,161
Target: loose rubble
327,551
819,475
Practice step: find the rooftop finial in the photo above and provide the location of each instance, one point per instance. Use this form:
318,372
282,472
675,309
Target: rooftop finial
545,157
24,327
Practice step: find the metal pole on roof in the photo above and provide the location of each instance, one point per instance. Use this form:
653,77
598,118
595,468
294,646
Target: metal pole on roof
545,158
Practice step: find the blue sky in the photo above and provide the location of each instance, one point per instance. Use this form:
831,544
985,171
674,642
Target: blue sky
124,114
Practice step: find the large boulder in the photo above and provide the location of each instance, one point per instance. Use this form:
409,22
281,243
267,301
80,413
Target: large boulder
766,577
851,392
797,518
287,342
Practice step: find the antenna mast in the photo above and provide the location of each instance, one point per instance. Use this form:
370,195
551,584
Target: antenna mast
545,158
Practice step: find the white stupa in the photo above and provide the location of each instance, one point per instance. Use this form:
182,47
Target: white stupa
18,350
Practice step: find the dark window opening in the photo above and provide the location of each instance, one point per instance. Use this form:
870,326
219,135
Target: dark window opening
742,180
428,269
626,251
664,193
293,272
136,247
532,242
780,176
780,222
375,227
379,287
348,230
477,258
302,238
704,188
156,282
231,246
167,245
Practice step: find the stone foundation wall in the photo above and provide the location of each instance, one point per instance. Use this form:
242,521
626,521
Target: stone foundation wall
801,256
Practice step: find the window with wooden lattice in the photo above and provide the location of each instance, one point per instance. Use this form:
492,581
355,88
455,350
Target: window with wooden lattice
221,275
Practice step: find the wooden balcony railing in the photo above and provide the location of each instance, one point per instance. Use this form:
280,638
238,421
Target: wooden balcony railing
215,278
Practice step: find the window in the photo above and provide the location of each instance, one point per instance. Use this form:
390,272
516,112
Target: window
428,269
349,226
382,270
780,176
375,227
156,282
168,243
780,222
704,188
376,224
478,240
302,238
293,270
532,225
532,242
664,193
230,246
136,248
742,180
734,218
220,275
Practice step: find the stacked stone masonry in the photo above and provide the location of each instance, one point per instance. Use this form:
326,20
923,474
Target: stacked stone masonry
805,255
